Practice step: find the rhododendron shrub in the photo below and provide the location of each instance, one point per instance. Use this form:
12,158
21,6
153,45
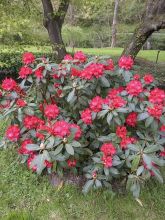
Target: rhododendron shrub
86,116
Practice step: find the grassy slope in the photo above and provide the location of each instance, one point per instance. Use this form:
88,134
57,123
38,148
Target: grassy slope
147,54
25,196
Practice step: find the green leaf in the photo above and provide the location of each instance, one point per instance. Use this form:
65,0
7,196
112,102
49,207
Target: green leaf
126,75
135,163
33,147
142,116
102,113
105,82
76,144
69,149
151,149
148,121
109,118
133,147
114,171
88,185
58,149
162,119
157,175
139,170
71,95
98,183
148,160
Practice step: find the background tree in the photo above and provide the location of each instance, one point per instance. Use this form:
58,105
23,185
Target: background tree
114,23
53,21
153,20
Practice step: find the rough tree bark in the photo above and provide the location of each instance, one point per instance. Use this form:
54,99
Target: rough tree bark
153,21
53,21
114,30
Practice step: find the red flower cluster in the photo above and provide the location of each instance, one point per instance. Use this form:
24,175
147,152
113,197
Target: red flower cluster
162,128
116,102
9,84
134,87
23,149
157,96
148,78
75,72
21,103
155,111
96,104
131,119
38,73
136,76
86,116
108,151
13,133
72,163
162,153
78,132
24,72
114,92
121,131
32,122
28,58
93,70
110,65
48,164
125,62
51,111
68,57
80,56
61,129
127,140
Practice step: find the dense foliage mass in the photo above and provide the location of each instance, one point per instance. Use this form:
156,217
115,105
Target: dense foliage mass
85,115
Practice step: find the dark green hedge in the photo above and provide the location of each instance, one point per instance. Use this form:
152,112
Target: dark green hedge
10,63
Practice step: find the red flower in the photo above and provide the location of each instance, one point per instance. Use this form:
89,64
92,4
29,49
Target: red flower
56,85
28,58
134,87
136,76
157,96
86,116
114,92
96,104
110,65
13,133
121,131
72,163
75,72
51,111
108,149
155,111
127,140
40,136
9,84
125,62
38,72
117,102
29,161
23,149
48,164
162,153
32,122
78,132
131,119
93,70
148,78
68,57
25,71
21,103
80,56
162,128
61,129
107,161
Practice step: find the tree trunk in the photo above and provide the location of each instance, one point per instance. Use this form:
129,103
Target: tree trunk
53,22
114,30
154,20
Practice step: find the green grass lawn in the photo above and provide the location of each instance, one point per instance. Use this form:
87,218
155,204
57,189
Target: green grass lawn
25,196
147,54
